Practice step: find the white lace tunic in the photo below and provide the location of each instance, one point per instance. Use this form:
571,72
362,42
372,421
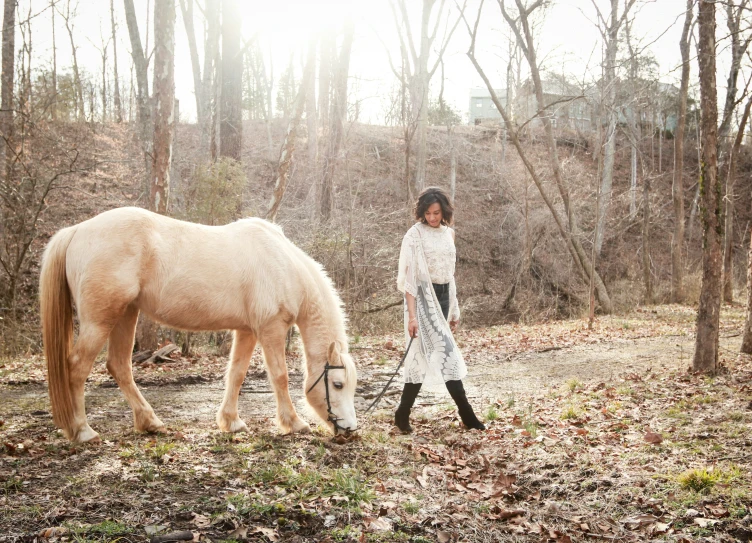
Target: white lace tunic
428,256
441,256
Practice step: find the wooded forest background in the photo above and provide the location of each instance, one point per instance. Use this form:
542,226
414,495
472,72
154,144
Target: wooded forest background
582,196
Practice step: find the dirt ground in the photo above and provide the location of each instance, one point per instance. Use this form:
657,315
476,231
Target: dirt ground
519,379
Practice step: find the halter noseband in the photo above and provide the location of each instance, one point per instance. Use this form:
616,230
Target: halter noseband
331,417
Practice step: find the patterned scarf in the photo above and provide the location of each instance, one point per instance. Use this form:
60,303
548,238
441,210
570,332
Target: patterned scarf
434,357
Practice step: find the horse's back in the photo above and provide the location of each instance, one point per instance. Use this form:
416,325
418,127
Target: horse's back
188,275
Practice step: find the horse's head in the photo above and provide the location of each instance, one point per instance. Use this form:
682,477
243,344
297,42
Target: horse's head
330,391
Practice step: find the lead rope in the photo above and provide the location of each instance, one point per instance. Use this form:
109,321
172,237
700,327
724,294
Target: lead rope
392,377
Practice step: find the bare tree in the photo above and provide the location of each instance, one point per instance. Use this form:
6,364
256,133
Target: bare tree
567,225
737,25
53,109
68,16
418,70
337,118
708,314
609,29
186,10
118,103
677,187
311,115
288,146
139,61
164,102
231,112
728,234
8,76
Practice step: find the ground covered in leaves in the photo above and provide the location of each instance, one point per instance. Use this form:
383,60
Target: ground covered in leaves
599,435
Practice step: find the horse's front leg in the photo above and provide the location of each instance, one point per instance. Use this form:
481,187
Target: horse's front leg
273,344
240,358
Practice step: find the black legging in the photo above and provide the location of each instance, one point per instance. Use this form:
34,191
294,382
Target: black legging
455,388
442,293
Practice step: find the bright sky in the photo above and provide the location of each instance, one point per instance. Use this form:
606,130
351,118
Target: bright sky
569,42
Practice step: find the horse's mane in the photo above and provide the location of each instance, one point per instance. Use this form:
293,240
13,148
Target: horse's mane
324,299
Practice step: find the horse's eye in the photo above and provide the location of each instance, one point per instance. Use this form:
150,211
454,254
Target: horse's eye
338,385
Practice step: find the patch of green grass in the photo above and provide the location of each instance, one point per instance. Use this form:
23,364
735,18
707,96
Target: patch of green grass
614,407
348,533
103,531
492,413
702,480
624,390
13,484
736,416
510,401
573,384
350,483
149,472
159,449
381,361
411,507
531,426
705,399
571,412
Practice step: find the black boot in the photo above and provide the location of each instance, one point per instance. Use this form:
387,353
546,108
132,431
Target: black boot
457,390
402,415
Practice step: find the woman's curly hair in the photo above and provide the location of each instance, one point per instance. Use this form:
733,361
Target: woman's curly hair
430,196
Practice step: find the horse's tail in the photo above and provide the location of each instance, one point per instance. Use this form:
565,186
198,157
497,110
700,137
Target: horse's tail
56,310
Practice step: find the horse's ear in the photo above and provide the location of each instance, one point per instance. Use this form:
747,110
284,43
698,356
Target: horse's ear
333,352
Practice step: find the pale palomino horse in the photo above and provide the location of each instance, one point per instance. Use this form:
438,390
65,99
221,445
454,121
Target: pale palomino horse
245,276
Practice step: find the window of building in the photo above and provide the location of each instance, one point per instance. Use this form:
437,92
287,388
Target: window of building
479,103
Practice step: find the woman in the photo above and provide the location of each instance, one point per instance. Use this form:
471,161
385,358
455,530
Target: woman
426,277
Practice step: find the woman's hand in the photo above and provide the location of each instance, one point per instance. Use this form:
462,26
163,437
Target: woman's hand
453,325
412,328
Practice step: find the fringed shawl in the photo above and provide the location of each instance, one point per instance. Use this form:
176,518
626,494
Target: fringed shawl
434,356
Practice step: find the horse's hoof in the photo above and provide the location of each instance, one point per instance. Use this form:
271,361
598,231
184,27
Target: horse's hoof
235,426
153,427
86,435
231,424
300,427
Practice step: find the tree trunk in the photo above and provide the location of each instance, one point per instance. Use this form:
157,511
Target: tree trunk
421,82
211,60
338,117
728,244
164,102
118,104
8,73
646,274
452,164
611,35
677,187
104,82
79,88
139,61
186,10
288,147
708,314
310,112
728,249
231,112
747,337
633,165
53,109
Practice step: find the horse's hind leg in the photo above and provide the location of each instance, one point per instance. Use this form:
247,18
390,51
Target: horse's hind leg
119,351
91,339
240,358
273,343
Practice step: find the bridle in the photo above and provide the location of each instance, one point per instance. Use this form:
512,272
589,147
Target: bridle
331,417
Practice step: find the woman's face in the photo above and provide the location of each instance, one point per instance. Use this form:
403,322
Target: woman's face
433,215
